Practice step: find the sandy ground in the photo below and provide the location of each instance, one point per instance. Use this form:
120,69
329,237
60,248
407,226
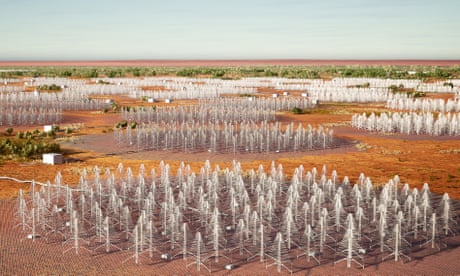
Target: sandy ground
416,159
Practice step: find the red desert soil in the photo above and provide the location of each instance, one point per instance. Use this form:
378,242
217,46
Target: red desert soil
22,256
416,159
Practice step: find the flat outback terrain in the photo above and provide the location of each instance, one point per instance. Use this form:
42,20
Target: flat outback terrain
93,136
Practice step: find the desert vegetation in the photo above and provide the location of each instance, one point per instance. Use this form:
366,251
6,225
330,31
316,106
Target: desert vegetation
231,72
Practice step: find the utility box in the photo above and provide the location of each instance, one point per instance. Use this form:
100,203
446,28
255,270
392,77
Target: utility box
47,128
52,158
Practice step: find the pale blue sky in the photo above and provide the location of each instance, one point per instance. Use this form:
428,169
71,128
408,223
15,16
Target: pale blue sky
232,29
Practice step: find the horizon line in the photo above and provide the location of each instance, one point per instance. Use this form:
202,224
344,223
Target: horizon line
226,62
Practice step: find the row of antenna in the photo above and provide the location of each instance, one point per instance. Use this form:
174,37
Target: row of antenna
231,216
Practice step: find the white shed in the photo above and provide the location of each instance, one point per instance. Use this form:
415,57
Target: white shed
168,100
53,158
304,94
285,93
150,100
275,95
47,128
36,93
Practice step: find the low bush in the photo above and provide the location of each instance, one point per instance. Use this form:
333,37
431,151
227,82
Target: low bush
296,110
28,148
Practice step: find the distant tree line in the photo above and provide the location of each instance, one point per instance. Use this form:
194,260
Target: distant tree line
235,72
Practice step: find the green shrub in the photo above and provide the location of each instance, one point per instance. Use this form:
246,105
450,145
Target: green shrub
121,124
102,82
52,87
115,108
9,131
296,110
419,94
449,84
25,149
365,85
393,87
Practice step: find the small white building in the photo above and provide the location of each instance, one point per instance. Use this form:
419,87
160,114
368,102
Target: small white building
109,101
251,99
52,158
36,93
285,93
168,100
150,100
275,95
304,94
47,128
